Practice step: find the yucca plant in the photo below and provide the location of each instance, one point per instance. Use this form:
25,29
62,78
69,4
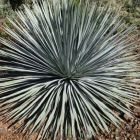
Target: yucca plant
66,70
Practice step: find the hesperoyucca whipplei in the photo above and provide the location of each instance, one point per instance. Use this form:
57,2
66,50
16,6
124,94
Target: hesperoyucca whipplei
67,69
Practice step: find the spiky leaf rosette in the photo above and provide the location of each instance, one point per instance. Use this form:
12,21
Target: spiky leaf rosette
67,70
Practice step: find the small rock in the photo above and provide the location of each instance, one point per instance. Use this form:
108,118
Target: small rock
127,117
137,110
2,131
128,135
137,137
138,127
117,138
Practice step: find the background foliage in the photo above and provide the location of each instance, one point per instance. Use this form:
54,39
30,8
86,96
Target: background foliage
130,9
